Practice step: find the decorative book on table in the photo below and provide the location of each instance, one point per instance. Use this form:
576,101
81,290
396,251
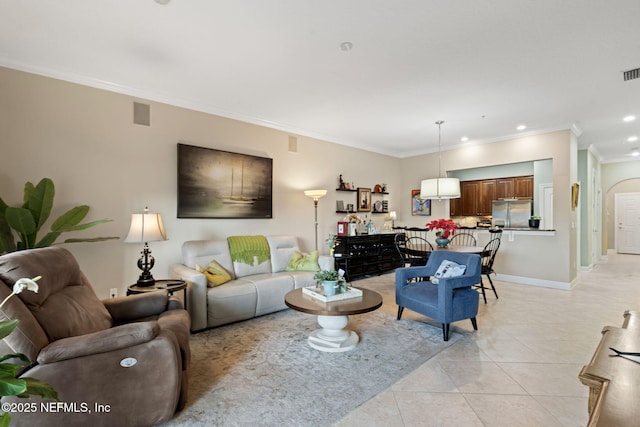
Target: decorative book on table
317,293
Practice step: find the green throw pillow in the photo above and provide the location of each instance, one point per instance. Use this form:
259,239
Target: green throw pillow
306,262
215,273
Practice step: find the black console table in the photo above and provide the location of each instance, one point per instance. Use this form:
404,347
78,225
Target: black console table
366,255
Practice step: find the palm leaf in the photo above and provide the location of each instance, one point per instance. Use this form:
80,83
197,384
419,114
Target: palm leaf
40,201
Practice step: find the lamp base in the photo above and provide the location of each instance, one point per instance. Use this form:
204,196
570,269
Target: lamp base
146,281
145,263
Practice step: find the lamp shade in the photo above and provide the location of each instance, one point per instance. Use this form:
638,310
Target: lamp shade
393,215
146,228
440,188
315,194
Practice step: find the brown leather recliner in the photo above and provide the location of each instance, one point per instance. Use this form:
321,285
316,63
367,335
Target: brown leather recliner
117,362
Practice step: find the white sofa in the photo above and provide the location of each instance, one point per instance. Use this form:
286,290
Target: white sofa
245,296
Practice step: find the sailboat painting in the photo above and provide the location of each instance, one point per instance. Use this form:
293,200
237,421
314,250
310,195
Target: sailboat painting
221,184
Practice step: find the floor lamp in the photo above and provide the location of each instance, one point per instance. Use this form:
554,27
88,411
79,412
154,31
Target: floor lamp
315,195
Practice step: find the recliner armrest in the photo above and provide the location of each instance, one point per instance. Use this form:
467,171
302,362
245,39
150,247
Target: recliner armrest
111,339
134,307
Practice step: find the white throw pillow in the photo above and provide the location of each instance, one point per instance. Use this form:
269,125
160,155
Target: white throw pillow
448,269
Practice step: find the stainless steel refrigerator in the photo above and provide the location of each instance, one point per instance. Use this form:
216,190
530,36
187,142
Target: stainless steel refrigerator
511,213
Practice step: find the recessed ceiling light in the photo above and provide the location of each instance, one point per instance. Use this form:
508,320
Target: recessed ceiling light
632,138
635,152
464,139
346,46
162,2
521,127
629,118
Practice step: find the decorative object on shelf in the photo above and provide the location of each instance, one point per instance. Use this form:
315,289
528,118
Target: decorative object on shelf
350,207
146,228
342,228
440,188
534,221
353,220
377,206
340,205
341,184
220,184
377,188
364,200
444,229
419,207
10,384
315,195
27,220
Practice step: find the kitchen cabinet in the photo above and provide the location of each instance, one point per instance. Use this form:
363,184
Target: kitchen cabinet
476,196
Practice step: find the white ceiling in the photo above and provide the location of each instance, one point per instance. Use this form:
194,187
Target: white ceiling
482,66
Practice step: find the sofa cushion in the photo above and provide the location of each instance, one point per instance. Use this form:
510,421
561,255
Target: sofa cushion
203,251
250,255
282,247
216,275
303,262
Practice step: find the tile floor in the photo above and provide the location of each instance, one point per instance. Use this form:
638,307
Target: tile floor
521,367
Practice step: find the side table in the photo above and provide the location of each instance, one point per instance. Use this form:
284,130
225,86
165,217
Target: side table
161,285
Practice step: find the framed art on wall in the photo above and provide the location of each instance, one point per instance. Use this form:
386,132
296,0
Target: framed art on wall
419,207
221,184
364,199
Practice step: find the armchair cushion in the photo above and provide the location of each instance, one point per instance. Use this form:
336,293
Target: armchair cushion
448,269
136,307
63,289
99,342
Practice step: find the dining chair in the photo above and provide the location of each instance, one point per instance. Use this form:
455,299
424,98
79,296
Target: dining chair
462,239
413,250
488,257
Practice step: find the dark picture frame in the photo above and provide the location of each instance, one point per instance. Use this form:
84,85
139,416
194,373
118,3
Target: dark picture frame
364,199
221,184
419,207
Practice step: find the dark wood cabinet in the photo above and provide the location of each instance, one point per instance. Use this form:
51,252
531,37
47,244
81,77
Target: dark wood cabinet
476,196
366,255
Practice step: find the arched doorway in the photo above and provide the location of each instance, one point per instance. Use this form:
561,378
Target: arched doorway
623,187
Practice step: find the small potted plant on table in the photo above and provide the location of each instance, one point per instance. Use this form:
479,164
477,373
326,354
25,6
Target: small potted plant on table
329,280
534,221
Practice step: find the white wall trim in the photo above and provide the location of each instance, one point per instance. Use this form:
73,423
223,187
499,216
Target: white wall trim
536,282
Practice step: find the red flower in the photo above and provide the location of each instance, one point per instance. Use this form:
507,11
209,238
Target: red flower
445,227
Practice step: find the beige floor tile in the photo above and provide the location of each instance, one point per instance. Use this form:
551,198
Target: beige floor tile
435,409
481,377
430,377
511,411
570,411
547,379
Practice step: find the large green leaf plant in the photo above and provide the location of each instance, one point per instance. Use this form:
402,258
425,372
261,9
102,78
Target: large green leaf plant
10,384
26,221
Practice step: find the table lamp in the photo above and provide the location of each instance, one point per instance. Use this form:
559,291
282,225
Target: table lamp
392,217
315,195
146,228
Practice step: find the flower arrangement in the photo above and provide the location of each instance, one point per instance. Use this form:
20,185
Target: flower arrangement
10,385
353,217
445,228
332,241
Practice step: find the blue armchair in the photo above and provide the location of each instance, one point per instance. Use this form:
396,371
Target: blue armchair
450,300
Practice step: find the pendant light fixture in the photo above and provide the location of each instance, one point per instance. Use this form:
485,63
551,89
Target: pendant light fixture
440,188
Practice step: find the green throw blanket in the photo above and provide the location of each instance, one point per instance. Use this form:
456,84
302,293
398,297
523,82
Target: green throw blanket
244,248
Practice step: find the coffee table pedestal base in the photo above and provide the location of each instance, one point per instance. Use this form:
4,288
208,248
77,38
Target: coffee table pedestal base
333,337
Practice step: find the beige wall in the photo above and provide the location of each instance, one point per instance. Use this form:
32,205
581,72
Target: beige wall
84,139
546,258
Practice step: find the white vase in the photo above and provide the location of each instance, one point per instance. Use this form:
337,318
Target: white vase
352,228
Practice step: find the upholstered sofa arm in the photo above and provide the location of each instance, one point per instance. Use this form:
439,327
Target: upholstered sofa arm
196,293
99,342
133,307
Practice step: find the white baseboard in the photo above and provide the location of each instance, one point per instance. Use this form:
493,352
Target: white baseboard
536,282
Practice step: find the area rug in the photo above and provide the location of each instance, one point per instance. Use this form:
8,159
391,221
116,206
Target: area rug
262,372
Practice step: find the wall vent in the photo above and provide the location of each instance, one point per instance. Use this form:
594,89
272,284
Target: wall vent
631,74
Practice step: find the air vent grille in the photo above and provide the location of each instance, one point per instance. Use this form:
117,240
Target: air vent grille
631,74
